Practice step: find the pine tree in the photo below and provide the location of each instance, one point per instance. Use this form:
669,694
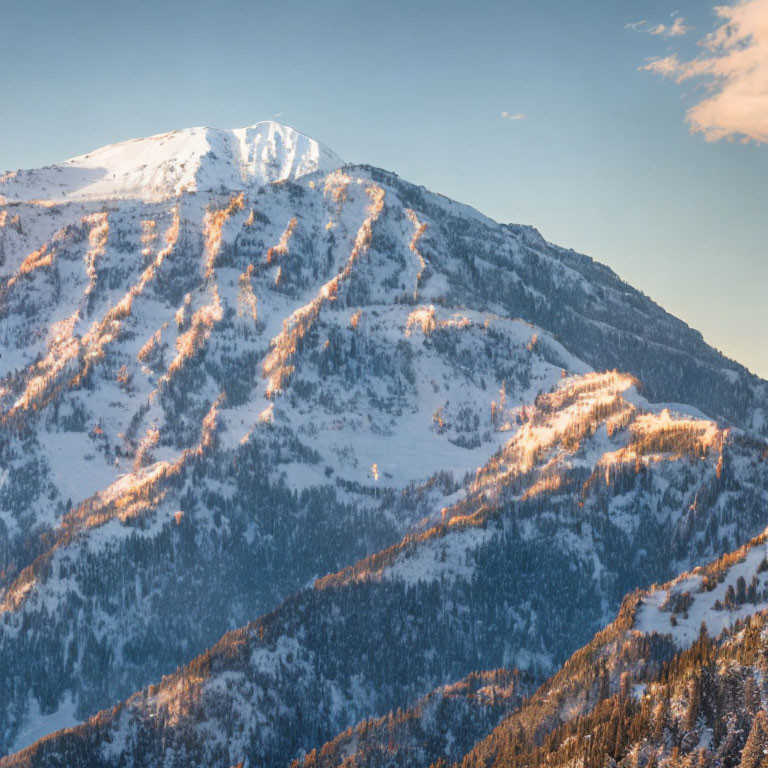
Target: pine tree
755,752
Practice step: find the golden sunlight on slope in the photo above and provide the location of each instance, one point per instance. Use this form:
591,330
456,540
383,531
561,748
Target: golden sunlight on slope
148,235
43,257
282,246
69,359
558,427
194,339
97,241
275,367
132,495
422,318
564,427
419,229
247,305
660,436
336,186
213,224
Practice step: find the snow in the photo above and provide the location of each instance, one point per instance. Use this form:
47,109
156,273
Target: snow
38,725
679,409
163,166
650,616
441,557
639,689
77,466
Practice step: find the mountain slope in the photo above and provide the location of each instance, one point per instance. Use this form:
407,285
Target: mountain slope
678,679
215,389
175,417
446,722
442,603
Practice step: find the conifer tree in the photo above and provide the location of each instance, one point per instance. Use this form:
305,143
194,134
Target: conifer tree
755,752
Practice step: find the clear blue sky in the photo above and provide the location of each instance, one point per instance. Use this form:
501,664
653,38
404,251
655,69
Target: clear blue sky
603,161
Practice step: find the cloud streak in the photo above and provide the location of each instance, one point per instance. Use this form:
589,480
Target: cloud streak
513,116
734,71
677,28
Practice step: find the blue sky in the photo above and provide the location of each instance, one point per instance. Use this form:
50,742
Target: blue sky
603,161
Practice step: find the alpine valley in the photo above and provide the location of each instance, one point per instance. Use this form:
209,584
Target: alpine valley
304,465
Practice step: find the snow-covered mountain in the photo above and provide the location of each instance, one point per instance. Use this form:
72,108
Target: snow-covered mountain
614,491
164,166
446,723
679,678
232,366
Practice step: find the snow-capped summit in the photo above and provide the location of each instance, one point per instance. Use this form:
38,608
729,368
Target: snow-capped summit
162,166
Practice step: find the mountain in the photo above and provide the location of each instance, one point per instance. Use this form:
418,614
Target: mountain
446,722
241,380
163,166
677,679
477,589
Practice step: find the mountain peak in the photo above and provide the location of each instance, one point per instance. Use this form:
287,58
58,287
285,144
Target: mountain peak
162,166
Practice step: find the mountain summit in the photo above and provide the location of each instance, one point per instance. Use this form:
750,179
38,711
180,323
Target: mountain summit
162,166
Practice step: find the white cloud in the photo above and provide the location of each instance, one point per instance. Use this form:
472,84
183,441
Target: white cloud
734,69
677,28
513,116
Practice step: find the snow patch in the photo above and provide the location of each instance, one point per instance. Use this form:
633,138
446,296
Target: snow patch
38,725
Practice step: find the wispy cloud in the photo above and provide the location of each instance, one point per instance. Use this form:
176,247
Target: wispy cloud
677,28
278,114
513,116
734,69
